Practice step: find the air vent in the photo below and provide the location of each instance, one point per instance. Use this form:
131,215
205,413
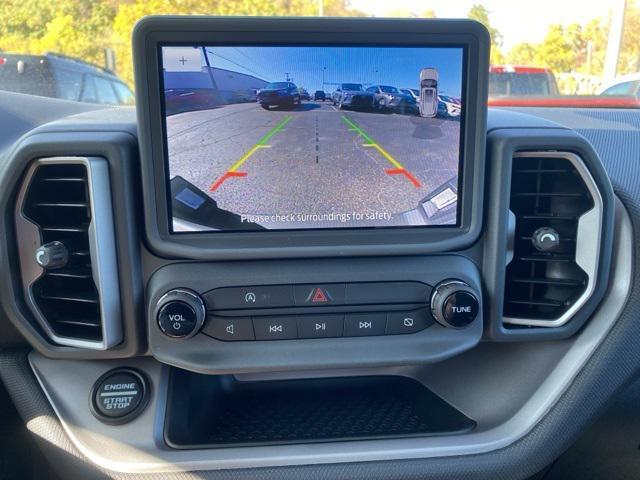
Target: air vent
67,200
558,217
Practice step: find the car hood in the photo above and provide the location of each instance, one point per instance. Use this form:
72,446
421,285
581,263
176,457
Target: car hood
357,92
273,90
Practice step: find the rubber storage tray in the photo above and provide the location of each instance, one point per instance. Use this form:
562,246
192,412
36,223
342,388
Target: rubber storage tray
219,411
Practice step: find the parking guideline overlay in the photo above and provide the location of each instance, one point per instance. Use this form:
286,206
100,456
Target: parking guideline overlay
399,168
262,143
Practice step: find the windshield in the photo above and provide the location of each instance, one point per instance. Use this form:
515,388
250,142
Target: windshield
546,52
276,86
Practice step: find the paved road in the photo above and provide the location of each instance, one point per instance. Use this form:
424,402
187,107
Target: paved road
313,159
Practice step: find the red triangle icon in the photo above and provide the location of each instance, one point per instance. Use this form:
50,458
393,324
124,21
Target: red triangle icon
319,296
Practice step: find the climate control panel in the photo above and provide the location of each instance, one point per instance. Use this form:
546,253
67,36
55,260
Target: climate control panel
308,311
238,316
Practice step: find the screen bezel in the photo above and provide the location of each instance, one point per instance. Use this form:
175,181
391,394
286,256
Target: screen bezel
152,32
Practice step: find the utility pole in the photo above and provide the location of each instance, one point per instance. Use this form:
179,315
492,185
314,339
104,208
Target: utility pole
214,85
615,40
323,70
286,75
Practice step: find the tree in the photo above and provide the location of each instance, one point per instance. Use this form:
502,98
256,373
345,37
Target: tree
73,27
595,35
85,28
129,13
563,48
522,54
480,13
629,59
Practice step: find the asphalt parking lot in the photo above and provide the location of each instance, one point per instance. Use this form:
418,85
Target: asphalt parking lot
313,159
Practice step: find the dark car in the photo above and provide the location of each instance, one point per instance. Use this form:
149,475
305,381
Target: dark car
352,95
387,97
304,95
59,76
279,94
320,95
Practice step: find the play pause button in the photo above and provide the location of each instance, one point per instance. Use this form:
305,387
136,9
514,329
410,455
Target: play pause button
320,326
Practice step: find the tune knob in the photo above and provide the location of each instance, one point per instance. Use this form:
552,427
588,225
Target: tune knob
180,313
454,304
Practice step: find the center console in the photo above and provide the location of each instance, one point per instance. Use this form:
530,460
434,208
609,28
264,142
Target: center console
350,195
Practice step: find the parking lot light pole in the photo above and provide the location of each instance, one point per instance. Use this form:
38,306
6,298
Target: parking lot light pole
323,70
615,40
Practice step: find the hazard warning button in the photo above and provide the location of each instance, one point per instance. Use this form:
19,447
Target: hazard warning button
319,295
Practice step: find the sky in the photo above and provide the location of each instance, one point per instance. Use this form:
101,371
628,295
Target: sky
517,20
399,67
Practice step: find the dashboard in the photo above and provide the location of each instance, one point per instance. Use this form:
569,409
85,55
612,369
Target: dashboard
260,283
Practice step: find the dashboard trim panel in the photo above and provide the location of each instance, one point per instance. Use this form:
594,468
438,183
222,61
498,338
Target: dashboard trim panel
138,447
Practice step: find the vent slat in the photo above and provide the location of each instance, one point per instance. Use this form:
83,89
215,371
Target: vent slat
536,303
62,179
73,274
549,281
546,259
69,298
62,204
544,170
546,192
64,229
80,323
563,239
542,216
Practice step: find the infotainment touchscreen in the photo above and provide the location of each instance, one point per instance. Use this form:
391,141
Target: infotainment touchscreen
312,137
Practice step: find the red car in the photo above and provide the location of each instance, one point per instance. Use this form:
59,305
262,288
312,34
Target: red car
508,80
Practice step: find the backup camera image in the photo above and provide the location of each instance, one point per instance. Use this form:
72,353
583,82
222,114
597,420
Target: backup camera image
301,137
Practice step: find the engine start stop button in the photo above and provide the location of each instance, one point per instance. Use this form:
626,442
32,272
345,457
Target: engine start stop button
119,396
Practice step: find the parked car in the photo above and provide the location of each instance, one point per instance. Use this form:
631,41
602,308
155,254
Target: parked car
280,94
178,100
449,106
59,76
386,97
412,92
304,95
507,80
623,86
352,95
319,95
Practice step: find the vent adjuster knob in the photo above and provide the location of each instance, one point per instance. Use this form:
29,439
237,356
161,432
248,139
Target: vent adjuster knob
52,255
545,239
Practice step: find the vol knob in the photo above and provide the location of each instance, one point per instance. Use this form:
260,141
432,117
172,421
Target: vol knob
454,304
180,313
